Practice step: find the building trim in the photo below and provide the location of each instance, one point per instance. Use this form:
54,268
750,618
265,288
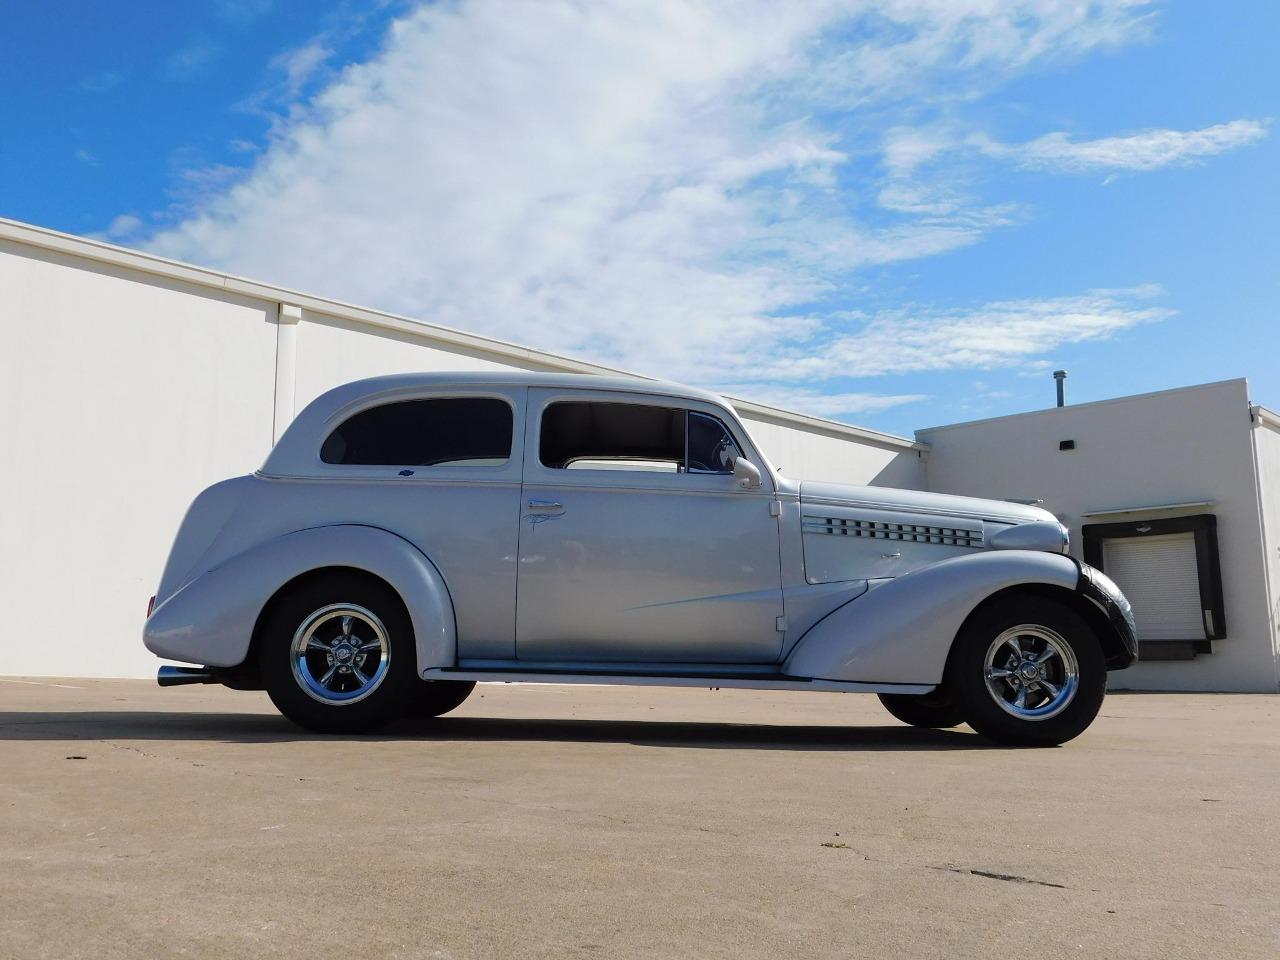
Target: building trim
1264,417
1151,508
149,263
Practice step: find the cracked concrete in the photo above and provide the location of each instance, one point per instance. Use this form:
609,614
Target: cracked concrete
615,822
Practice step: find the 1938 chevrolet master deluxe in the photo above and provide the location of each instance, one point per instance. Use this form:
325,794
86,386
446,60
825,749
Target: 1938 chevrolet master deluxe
410,535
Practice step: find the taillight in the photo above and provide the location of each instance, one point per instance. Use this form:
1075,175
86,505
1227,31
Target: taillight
151,605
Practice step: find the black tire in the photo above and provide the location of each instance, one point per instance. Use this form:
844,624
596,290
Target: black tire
386,699
934,710
436,697
1047,621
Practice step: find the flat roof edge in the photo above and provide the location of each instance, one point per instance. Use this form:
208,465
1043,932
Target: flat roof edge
1089,403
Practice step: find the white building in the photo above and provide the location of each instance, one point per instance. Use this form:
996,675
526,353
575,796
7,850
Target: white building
130,383
1174,494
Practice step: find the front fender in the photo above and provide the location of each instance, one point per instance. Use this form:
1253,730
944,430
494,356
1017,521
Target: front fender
901,631
210,620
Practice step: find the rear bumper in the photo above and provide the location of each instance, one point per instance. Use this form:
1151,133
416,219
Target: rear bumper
1103,593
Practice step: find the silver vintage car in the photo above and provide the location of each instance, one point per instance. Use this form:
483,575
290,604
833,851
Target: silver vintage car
411,535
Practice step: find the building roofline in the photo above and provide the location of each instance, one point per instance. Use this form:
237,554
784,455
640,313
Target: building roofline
150,263
1049,411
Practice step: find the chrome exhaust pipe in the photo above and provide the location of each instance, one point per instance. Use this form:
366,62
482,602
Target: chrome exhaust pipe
181,676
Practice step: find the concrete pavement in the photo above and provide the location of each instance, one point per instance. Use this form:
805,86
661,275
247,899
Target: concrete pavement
556,822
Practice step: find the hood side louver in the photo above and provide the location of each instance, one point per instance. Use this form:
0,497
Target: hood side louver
878,530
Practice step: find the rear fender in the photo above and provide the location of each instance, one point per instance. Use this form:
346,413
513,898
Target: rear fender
902,630
210,620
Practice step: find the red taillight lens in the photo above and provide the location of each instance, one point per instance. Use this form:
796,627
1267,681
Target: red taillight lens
151,605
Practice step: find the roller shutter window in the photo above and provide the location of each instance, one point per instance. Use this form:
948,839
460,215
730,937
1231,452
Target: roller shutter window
1159,575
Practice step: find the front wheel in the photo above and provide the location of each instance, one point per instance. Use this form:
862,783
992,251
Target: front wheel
1028,672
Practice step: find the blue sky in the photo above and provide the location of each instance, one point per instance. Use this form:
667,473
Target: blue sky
898,215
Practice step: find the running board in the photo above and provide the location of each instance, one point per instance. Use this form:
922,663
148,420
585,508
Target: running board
738,682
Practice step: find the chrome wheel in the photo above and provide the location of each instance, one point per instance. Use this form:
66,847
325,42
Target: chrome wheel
340,654
1031,672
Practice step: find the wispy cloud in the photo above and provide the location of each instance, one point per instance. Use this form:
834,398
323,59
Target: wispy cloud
1002,333
101,82
832,405
300,64
87,157
680,196
124,228
193,59
1145,150
242,12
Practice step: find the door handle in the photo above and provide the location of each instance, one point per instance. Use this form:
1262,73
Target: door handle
545,506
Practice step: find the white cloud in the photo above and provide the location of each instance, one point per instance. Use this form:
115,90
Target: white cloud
1145,150
124,226
657,186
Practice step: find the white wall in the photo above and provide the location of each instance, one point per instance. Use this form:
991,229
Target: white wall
128,390
332,351
1177,446
814,456
123,397
1266,438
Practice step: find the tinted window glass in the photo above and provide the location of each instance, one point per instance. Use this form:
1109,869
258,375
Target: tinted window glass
711,446
458,431
622,433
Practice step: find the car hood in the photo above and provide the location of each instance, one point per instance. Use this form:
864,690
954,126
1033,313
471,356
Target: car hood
920,501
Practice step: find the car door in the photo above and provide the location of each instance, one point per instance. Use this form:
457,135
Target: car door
635,548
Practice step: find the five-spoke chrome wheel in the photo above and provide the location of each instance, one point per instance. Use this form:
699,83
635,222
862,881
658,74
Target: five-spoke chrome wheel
340,654
1031,672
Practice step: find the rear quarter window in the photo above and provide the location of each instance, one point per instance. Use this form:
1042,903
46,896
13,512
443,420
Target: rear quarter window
437,432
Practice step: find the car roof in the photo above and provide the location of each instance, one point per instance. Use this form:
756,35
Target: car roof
398,382
295,453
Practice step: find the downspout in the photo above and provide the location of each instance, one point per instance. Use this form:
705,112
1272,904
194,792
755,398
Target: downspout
287,320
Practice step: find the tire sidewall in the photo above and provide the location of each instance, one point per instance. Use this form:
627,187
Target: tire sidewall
966,673
934,710
386,702
435,697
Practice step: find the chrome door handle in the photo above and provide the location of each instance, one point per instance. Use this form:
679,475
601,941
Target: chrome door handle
891,556
545,505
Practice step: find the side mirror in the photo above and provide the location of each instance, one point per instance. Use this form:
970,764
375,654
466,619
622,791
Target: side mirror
746,474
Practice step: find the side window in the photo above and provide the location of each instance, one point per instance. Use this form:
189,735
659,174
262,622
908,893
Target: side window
612,436
711,447
444,432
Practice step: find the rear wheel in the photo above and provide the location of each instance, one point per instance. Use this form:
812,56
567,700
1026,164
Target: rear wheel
337,654
436,697
934,709
1029,672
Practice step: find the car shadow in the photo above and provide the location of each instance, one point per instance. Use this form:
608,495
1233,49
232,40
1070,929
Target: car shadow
249,728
